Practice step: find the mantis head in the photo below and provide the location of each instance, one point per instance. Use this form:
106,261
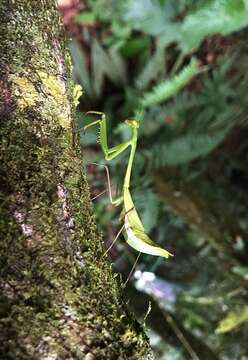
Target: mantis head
133,123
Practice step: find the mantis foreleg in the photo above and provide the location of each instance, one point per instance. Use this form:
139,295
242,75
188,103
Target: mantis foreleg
109,153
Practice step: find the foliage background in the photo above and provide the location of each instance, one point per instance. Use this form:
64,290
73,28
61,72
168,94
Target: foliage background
190,172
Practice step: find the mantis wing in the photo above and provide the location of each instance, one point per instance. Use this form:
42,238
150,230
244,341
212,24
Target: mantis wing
136,236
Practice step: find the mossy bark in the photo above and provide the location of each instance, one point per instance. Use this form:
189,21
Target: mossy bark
59,298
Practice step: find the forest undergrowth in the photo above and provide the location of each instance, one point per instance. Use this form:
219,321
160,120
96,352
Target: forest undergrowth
190,173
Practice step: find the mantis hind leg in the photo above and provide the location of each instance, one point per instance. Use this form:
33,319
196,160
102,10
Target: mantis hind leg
132,270
117,201
114,241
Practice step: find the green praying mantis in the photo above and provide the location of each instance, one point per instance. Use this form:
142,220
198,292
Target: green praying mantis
135,232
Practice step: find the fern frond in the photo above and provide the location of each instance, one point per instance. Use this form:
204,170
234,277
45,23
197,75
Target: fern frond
184,149
154,118
119,65
105,64
100,62
169,88
80,70
151,69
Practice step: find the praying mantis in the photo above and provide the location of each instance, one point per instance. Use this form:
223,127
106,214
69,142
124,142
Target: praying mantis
135,232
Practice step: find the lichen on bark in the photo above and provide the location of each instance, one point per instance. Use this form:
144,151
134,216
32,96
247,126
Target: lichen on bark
59,298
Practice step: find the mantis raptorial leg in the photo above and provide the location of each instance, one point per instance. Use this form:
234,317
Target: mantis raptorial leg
135,232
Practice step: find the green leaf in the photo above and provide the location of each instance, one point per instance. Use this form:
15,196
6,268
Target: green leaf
150,16
241,271
217,17
135,46
211,17
233,320
120,30
86,18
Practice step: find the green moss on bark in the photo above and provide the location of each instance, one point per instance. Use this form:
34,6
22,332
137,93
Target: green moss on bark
59,297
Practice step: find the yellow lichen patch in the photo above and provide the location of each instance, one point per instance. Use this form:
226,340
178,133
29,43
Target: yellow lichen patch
77,92
45,91
55,87
27,95
129,336
39,152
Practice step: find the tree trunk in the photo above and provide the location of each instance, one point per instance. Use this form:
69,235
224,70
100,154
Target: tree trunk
59,298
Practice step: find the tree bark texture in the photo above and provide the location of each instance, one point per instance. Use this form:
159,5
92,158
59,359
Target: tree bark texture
59,298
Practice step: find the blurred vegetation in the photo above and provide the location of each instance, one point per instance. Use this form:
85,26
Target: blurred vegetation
190,173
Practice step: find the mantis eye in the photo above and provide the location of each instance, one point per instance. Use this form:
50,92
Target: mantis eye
132,123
